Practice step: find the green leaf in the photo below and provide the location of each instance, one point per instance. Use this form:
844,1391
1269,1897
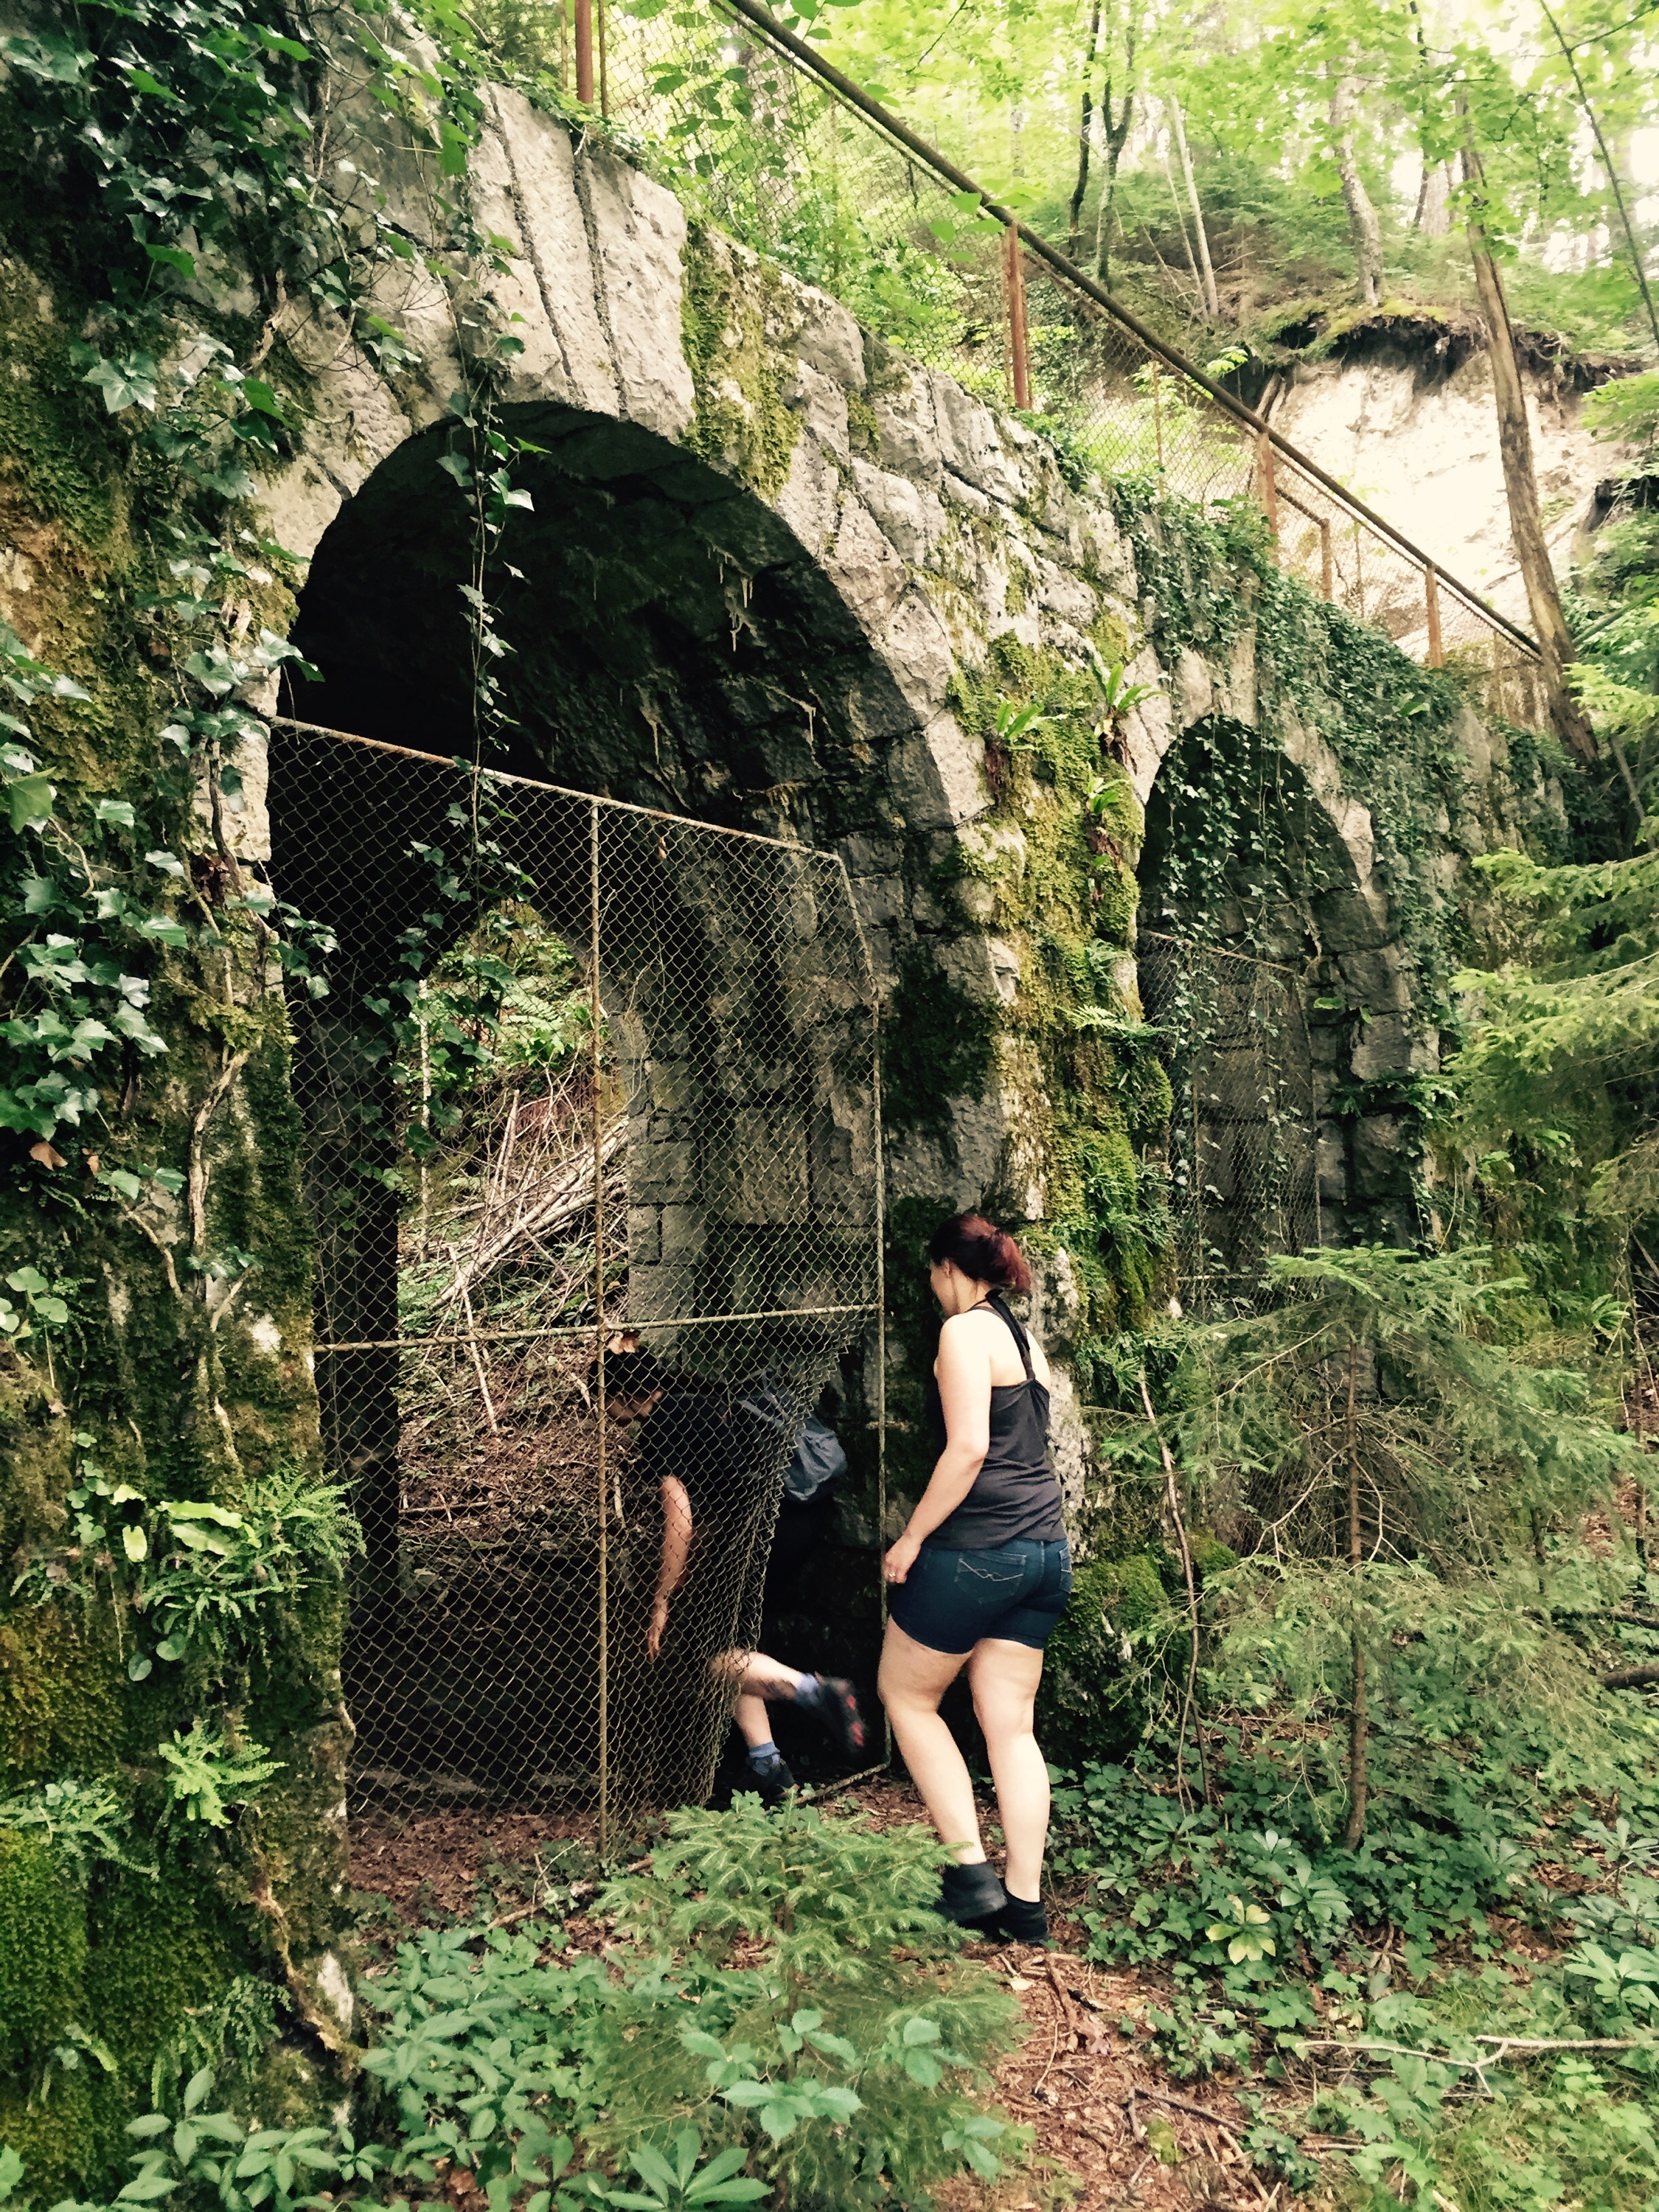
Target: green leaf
29,798
174,258
135,1543
118,811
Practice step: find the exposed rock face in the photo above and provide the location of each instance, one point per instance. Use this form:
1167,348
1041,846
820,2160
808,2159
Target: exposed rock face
1420,443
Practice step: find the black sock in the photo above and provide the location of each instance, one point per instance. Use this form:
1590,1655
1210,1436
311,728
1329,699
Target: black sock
970,1894
1022,1919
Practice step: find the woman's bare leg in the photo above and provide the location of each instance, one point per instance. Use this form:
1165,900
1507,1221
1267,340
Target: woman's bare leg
758,1680
912,1680
1003,1678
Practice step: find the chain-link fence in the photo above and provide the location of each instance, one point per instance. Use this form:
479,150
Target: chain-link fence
1243,1169
591,1140
773,153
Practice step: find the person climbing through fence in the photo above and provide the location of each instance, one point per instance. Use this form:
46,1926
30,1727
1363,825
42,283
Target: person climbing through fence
714,1460
979,1578
805,1524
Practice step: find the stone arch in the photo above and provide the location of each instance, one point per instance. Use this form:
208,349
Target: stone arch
1289,893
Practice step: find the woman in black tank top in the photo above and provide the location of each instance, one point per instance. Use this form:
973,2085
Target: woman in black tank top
978,1579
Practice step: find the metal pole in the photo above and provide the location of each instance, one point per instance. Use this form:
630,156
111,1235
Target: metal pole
762,17
1326,558
1432,604
1014,281
585,51
1360,571
604,84
881,1347
1269,489
1158,413
596,1015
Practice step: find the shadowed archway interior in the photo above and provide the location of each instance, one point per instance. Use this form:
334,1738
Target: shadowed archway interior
513,1203
668,640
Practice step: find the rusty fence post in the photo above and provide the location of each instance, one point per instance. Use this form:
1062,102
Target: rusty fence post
1432,605
1158,413
596,1025
604,85
1326,558
584,25
1013,274
1264,464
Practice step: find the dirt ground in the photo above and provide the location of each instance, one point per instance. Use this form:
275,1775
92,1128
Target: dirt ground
1110,2127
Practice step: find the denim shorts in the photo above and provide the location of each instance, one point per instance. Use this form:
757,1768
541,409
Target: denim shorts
951,1599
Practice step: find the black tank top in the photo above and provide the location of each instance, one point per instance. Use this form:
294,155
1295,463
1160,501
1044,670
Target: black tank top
1015,1497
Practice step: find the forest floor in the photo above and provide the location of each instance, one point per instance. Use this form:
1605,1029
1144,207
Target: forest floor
1110,2127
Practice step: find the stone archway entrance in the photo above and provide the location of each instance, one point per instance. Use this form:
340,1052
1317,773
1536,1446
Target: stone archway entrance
517,1206
1268,954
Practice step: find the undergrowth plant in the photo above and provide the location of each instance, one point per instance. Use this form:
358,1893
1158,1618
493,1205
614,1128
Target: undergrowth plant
781,2015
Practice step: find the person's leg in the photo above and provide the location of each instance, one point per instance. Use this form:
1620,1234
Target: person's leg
913,1679
1003,1678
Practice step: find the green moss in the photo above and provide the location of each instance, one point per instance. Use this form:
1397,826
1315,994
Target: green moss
1087,1708
1210,1555
54,2136
62,1711
43,1950
863,429
740,422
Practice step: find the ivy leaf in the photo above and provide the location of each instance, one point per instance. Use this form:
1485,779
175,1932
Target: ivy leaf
53,60
169,863
118,811
29,798
174,258
128,383
135,1543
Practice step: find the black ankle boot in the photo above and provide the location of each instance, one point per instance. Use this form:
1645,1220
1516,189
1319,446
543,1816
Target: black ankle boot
971,1895
1021,1921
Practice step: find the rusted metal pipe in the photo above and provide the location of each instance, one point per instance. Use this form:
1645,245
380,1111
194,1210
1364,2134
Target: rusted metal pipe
585,51
1013,282
1432,605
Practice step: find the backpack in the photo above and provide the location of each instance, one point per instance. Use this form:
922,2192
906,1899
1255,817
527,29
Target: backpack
818,1462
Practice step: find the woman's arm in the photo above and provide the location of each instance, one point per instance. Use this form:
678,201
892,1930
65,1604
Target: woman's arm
676,1549
965,1389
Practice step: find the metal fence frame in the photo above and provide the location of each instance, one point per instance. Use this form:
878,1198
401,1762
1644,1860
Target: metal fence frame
331,1351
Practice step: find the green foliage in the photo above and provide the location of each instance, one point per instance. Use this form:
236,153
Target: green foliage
208,1583
83,1822
784,2016
206,1778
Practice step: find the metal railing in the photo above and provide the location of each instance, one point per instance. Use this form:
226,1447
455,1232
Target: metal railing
772,143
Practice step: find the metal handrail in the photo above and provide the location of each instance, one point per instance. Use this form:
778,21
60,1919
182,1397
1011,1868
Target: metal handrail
805,56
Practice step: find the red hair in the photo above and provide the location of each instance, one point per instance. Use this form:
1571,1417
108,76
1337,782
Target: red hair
984,1253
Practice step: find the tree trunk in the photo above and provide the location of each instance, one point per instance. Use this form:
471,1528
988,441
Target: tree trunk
1185,235
1515,443
1362,216
1612,169
1085,130
1433,215
1115,125
1359,1719
1211,304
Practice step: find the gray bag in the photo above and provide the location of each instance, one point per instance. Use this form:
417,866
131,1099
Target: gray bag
818,1462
